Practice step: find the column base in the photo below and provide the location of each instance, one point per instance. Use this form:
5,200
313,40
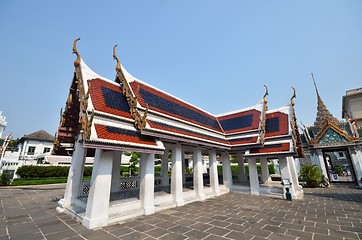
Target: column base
94,223
61,206
149,210
180,203
254,193
202,197
217,193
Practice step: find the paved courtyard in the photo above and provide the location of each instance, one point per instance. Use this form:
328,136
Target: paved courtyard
333,213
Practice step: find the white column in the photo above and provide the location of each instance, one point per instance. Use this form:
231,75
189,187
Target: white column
298,189
253,175
116,171
264,170
183,168
356,160
164,168
318,159
96,214
198,173
226,170
75,177
214,179
286,174
147,183
241,167
176,175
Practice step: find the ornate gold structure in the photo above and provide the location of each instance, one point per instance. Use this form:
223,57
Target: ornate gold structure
77,61
263,118
140,121
297,142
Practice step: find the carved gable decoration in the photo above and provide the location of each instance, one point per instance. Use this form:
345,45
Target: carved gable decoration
330,133
332,137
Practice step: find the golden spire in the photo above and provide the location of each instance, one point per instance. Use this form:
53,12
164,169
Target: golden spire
77,61
118,67
322,111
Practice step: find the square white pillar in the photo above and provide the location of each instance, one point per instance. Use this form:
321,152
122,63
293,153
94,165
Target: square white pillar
147,183
241,167
253,175
183,168
214,179
198,173
96,214
298,189
176,175
226,170
116,172
265,177
356,160
75,177
164,168
286,174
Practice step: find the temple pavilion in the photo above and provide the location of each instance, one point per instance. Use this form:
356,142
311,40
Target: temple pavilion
333,145
105,118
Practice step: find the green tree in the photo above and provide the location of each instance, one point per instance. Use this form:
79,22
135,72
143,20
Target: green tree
13,145
135,159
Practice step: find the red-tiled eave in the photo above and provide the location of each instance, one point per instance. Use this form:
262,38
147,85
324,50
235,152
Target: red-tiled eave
273,148
168,129
104,133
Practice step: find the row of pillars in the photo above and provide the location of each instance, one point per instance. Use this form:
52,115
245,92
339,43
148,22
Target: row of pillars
106,179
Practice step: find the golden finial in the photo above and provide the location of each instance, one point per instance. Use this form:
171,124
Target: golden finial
266,94
294,96
118,68
77,61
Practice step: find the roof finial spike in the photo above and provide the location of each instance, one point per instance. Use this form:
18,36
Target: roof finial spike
77,61
294,96
266,94
316,89
118,67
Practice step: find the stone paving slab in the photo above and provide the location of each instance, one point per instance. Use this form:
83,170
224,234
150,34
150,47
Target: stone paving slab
325,213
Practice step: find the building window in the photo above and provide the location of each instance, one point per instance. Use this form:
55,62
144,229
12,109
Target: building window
46,150
341,154
31,150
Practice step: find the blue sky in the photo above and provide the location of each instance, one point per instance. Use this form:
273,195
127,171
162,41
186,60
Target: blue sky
216,55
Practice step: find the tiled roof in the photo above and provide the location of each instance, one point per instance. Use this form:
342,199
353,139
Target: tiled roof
243,121
107,97
276,124
183,131
39,135
171,106
272,148
122,135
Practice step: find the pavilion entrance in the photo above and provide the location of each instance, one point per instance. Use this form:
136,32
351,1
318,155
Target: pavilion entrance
339,166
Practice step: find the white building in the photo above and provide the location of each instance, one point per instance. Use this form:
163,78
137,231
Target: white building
352,106
32,149
35,146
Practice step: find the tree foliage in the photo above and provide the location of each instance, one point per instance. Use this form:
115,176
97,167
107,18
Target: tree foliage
13,145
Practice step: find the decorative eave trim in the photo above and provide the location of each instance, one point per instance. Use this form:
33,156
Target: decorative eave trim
140,121
296,140
263,118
